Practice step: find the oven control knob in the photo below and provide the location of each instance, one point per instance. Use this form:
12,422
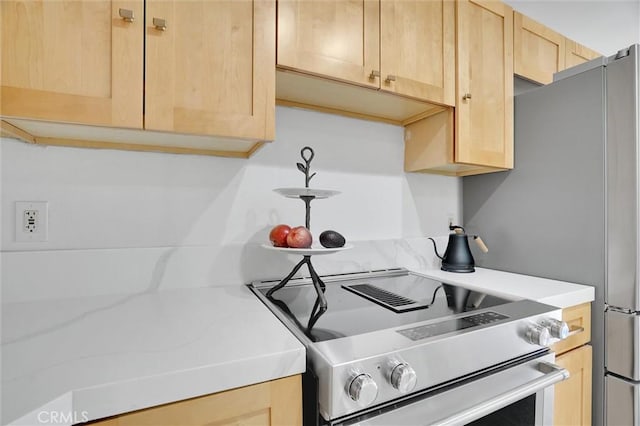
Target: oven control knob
558,329
363,389
537,335
403,377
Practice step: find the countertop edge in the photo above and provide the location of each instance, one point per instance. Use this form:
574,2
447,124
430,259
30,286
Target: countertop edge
180,385
79,404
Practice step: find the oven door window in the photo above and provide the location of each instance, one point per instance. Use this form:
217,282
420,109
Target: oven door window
520,413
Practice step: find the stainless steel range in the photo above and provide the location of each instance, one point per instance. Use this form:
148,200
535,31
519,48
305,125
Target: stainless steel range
394,348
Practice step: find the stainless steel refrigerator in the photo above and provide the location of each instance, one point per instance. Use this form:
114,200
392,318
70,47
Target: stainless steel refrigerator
570,210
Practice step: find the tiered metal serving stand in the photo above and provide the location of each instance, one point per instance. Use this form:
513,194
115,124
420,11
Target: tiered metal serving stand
307,195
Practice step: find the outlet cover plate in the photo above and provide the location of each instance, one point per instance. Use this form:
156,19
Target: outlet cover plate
32,221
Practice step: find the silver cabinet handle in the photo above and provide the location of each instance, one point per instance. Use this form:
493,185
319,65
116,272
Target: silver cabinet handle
575,330
390,78
466,96
374,74
126,15
160,24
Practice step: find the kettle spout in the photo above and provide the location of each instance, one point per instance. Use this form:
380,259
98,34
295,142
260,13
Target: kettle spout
435,248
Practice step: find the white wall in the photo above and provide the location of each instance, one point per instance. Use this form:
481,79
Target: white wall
127,221
603,25
130,221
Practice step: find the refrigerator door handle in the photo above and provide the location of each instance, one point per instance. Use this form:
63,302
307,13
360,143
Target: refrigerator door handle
623,217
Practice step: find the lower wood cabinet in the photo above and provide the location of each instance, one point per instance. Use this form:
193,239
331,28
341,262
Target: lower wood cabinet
275,403
572,405
578,318
572,398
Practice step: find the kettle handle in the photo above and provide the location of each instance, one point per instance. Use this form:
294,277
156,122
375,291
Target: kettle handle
481,244
435,249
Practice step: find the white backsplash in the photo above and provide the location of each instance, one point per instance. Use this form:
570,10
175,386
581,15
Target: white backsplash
128,222
86,273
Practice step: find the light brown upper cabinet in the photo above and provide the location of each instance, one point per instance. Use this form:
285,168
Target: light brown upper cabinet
417,49
209,74
400,47
539,52
484,103
333,38
210,67
576,54
73,61
483,138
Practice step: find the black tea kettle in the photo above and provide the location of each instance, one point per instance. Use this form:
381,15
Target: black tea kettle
457,257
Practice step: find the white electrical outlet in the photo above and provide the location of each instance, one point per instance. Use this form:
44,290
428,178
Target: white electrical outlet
32,220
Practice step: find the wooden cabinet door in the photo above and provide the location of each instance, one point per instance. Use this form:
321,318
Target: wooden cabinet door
72,61
538,50
417,49
578,318
572,401
576,54
339,39
484,96
211,69
274,403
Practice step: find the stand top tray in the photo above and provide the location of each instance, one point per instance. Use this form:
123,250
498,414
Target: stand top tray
306,192
308,251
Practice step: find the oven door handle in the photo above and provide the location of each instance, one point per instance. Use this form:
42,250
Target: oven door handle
552,375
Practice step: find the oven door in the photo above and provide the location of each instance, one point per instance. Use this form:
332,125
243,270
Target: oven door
521,395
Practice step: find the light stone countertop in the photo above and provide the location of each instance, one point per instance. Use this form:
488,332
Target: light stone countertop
95,357
90,358
515,286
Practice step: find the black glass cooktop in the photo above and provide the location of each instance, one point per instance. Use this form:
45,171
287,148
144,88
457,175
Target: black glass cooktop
370,304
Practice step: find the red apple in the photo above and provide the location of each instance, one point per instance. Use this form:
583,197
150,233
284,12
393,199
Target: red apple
278,235
299,237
